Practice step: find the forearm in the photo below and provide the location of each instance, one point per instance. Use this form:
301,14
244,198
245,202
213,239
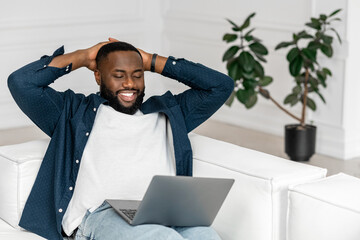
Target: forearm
159,63
78,59
196,75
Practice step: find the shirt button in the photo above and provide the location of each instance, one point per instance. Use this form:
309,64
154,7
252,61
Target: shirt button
60,210
87,134
45,66
70,188
94,109
77,161
173,62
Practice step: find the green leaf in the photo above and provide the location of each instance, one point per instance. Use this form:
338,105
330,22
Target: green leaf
293,53
291,99
246,22
314,83
327,71
284,45
299,80
296,90
243,95
230,53
246,61
266,80
228,37
295,66
249,84
327,50
327,39
303,34
337,34
248,75
252,38
230,100
261,58
321,75
315,23
232,23
323,17
234,70
321,96
258,69
265,93
310,54
311,104
314,45
335,12
249,32
251,101
258,48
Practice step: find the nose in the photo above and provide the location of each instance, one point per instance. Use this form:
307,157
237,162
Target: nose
128,83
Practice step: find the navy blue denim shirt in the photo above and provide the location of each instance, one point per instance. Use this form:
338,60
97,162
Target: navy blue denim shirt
68,118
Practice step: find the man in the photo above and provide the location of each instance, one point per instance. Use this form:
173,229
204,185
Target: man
119,141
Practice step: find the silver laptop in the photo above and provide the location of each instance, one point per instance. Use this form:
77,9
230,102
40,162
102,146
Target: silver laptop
176,201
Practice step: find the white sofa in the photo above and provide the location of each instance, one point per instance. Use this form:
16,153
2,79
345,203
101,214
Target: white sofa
255,209
327,208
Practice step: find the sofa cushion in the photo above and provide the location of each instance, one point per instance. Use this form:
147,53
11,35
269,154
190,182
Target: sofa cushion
19,165
325,209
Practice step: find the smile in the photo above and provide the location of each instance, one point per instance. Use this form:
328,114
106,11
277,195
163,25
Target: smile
127,96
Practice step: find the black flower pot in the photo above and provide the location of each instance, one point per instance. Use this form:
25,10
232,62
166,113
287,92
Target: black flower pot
300,141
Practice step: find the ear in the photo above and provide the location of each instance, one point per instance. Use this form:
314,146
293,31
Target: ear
97,76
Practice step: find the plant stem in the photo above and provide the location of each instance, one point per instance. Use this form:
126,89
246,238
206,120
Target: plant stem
278,105
304,98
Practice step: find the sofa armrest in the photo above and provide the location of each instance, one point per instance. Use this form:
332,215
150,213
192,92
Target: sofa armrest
256,206
19,165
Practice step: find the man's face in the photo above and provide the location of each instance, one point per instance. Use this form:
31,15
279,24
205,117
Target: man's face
121,80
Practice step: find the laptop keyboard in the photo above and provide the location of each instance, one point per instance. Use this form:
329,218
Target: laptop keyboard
130,213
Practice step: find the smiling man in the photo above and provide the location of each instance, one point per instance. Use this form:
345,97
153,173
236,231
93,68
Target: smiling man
110,144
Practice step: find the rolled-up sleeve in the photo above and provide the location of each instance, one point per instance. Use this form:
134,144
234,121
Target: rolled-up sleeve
29,88
209,89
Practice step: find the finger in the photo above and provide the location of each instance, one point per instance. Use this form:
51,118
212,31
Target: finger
113,39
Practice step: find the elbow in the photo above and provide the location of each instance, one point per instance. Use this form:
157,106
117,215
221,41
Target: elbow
16,81
228,86
11,81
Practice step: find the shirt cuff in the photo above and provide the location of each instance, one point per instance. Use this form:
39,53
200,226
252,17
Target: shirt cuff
43,63
172,67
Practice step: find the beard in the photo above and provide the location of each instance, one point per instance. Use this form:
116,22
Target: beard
115,103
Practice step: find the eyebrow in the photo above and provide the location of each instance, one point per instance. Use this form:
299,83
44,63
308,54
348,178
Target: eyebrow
123,71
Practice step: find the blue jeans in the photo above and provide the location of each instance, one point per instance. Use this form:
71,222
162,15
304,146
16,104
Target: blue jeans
104,223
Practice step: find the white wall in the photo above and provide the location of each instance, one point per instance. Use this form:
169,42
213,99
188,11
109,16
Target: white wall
194,30
30,29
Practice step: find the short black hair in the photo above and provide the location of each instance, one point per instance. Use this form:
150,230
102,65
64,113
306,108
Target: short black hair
112,47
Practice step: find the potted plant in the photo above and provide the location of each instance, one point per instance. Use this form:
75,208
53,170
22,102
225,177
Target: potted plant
310,77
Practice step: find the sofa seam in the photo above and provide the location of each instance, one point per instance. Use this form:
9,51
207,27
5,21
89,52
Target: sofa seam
324,201
10,159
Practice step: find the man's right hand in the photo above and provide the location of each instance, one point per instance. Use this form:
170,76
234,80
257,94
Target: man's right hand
80,58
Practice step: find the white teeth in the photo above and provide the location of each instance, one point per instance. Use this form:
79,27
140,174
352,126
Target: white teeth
127,94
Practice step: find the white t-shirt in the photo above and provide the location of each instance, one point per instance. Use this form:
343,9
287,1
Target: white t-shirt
121,156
